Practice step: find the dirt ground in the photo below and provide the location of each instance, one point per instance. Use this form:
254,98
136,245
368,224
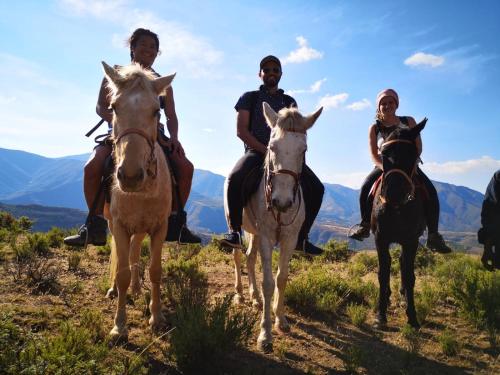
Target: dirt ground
312,346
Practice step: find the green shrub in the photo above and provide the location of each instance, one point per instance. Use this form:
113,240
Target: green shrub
353,359
11,340
25,223
424,259
55,237
357,314
93,321
42,275
74,260
335,251
4,235
316,290
205,334
369,261
478,296
39,243
411,338
356,269
425,300
184,283
449,344
104,250
7,220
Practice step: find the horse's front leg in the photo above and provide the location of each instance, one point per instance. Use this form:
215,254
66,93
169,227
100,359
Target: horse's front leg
238,286
135,254
253,249
157,320
384,276
265,340
286,250
122,246
408,254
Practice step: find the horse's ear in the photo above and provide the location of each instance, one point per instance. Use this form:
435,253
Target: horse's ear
162,83
111,73
415,131
311,119
269,114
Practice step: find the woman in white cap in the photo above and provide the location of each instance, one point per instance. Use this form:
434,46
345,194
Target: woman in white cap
386,122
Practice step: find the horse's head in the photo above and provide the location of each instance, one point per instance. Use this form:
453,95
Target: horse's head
285,153
136,107
399,159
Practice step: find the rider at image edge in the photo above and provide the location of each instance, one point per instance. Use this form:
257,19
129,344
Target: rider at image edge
386,121
253,131
144,48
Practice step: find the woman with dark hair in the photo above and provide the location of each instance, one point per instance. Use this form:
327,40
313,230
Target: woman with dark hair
386,122
144,48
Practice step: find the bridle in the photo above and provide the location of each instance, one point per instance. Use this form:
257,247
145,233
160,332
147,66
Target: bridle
268,188
409,178
152,168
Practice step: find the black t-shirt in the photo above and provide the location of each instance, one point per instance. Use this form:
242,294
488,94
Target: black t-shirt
252,101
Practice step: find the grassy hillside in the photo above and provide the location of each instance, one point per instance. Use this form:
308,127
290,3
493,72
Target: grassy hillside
54,317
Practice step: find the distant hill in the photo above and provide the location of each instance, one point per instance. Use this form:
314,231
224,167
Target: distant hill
29,179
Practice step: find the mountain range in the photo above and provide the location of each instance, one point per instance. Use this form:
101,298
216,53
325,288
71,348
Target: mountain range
34,180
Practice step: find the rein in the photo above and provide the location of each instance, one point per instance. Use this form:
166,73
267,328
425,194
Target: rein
152,169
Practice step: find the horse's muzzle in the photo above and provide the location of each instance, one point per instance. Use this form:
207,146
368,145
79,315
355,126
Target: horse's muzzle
130,182
281,205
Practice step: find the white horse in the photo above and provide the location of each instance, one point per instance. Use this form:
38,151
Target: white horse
141,198
274,214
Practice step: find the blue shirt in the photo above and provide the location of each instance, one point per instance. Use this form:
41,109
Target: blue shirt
252,101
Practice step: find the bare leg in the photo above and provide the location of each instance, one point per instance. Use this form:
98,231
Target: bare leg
92,175
157,321
265,340
252,281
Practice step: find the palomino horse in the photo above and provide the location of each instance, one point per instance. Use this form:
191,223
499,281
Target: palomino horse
398,216
141,198
274,214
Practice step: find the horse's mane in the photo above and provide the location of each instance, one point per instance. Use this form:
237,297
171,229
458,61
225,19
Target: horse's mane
289,119
130,76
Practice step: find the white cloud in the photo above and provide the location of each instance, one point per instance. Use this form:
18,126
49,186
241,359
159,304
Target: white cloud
332,101
208,130
314,88
302,54
360,105
184,51
473,173
462,167
425,59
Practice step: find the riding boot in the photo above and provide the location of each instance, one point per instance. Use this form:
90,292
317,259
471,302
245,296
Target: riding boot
178,230
304,247
93,232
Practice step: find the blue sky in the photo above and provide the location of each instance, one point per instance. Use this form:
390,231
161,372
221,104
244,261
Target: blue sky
443,58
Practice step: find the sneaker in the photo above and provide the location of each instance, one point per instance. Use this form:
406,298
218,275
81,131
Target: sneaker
436,243
361,233
308,248
94,232
231,240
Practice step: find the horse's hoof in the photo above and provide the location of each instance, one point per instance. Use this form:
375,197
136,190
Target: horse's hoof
282,326
157,325
112,293
265,346
118,335
238,299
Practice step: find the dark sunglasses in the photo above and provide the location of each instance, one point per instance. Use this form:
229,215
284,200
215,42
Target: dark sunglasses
268,70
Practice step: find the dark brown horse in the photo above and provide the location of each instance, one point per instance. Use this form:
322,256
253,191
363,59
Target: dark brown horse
398,217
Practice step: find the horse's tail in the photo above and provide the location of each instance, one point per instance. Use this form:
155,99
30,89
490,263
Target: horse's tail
113,263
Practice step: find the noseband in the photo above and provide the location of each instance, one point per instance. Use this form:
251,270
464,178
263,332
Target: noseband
152,168
409,178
